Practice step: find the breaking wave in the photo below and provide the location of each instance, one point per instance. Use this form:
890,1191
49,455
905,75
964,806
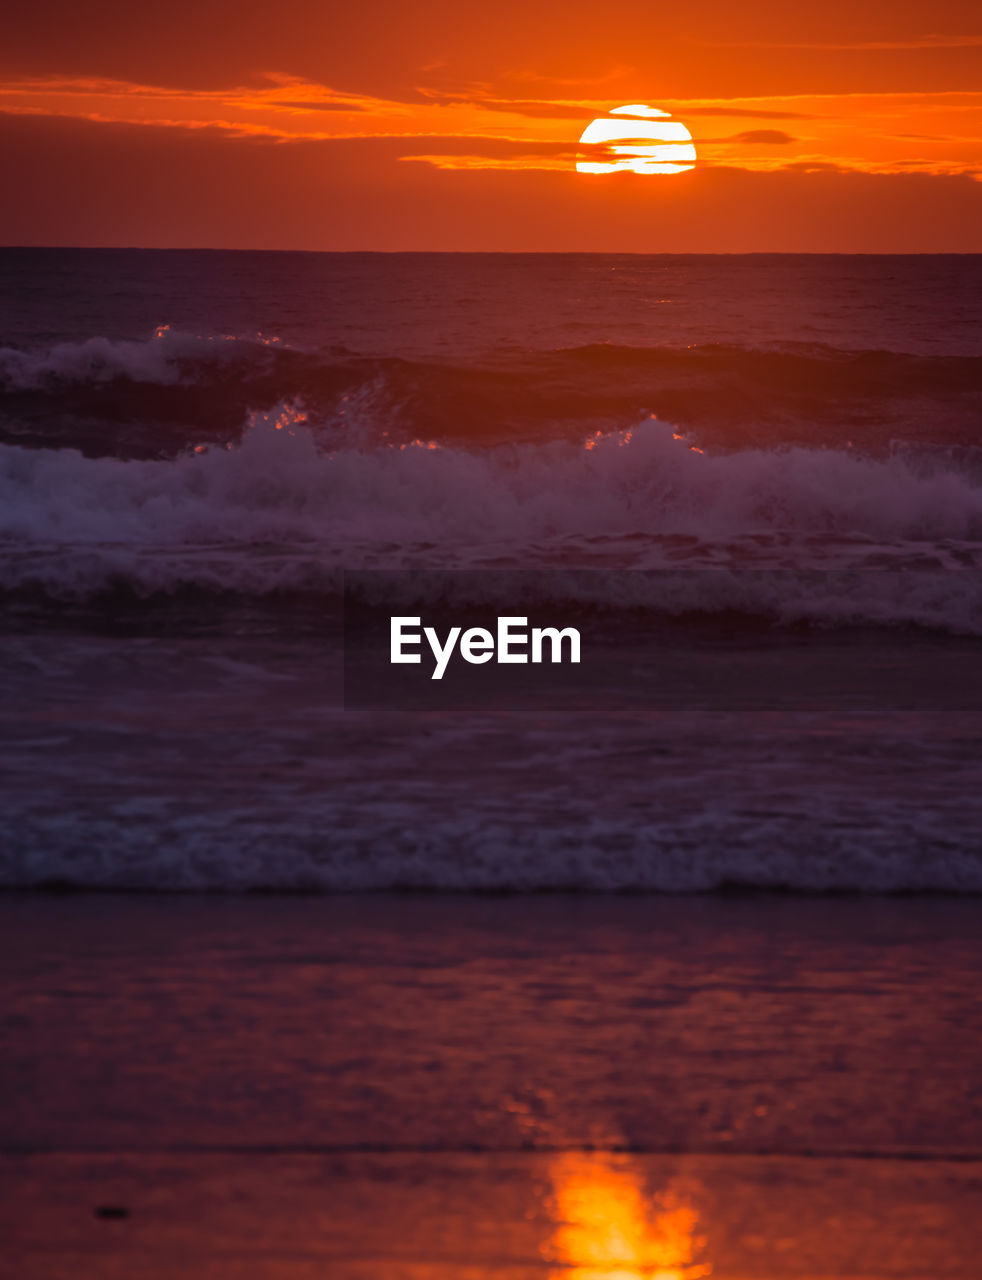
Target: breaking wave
330,848
154,398
284,511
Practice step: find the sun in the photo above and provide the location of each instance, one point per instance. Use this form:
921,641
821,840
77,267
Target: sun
637,139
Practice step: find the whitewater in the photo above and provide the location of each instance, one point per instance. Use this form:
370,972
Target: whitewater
721,464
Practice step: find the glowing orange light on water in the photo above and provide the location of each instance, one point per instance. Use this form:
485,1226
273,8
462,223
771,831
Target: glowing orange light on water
608,1230
624,437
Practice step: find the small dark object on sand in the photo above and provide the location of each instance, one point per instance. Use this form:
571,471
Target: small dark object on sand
111,1211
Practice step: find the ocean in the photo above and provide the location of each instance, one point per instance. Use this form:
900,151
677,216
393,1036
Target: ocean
757,479
489,978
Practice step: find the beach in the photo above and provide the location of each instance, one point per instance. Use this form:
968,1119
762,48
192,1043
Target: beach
561,1085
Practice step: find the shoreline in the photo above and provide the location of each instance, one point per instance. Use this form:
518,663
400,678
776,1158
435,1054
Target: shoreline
489,1087
733,891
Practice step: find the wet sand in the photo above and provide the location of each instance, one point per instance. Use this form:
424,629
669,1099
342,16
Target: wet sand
429,1087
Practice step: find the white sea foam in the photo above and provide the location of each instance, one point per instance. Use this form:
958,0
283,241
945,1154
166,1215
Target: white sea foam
680,805
281,511
100,360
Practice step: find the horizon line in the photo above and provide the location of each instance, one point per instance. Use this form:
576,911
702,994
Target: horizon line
554,253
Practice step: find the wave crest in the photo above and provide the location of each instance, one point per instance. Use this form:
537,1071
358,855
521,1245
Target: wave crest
280,511
101,394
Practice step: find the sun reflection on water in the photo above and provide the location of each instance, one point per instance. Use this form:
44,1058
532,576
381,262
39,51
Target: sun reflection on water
607,1228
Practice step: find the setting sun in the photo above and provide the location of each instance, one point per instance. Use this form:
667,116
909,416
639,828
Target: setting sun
638,139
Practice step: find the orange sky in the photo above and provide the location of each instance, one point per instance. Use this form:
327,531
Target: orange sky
829,127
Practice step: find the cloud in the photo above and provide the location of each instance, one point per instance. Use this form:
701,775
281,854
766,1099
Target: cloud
572,109
811,165
918,43
470,126
301,105
770,137
684,109
477,145
533,109
172,187
927,137
491,153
